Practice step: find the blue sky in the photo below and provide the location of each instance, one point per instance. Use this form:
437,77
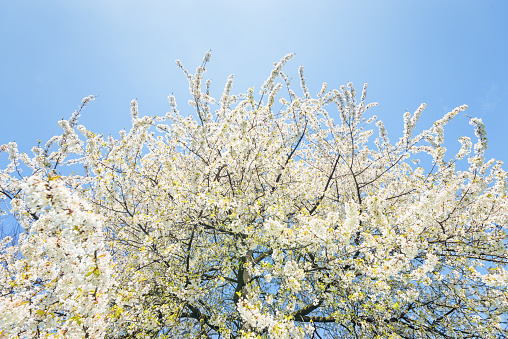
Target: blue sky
444,53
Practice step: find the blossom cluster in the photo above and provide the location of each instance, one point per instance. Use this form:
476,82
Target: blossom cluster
62,281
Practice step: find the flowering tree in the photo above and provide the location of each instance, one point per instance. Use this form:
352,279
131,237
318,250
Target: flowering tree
254,219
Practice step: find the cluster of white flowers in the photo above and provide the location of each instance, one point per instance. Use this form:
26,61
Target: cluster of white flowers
12,149
252,314
259,322
293,275
269,83
428,266
481,134
273,228
465,149
64,278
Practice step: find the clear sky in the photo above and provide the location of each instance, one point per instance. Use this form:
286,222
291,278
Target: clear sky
444,53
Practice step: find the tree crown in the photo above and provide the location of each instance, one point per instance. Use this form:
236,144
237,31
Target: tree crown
266,217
